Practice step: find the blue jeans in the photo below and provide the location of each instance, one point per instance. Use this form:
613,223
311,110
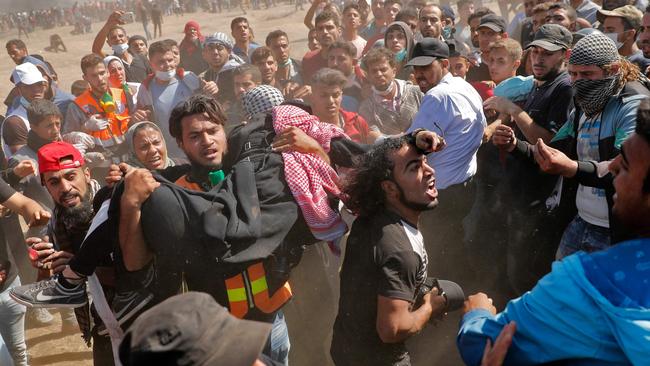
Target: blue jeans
583,236
278,344
12,325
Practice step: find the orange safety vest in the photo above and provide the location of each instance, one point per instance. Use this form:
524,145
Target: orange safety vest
249,290
119,120
183,182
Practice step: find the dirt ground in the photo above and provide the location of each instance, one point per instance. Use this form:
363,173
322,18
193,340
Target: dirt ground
67,63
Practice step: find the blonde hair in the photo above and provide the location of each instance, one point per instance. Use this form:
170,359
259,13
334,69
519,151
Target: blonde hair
511,46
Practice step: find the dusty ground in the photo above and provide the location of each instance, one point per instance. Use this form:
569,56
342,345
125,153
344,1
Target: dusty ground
67,63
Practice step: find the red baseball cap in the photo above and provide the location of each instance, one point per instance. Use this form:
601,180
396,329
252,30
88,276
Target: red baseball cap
50,156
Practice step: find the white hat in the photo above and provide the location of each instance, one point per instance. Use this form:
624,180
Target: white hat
27,74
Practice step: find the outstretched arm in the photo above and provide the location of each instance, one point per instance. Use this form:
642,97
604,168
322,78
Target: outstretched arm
30,210
112,21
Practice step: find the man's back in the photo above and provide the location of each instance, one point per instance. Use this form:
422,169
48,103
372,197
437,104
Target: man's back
590,307
454,110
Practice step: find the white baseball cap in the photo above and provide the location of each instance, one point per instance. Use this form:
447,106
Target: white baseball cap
27,74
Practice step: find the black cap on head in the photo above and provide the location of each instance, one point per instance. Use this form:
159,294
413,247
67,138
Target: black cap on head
428,50
494,22
192,329
552,37
456,48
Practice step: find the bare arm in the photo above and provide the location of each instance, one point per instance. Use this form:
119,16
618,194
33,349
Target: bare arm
294,139
528,127
29,209
310,14
395,320
100,38
139,184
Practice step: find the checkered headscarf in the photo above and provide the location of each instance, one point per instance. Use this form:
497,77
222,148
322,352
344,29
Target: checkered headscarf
261,99
594,49
219,38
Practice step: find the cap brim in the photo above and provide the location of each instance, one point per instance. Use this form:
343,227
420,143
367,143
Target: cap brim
602,14
240,342
545,45
421,61
492,26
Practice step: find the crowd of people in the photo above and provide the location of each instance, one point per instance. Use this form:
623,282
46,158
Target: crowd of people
182,193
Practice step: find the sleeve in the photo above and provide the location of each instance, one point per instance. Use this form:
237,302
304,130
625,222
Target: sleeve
343,151
144,97
363,128
398,276
74,118
14,131
625,122
422,118
5,191
556,320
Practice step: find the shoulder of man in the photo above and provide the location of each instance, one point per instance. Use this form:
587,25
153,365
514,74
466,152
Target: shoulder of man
635,89
386,229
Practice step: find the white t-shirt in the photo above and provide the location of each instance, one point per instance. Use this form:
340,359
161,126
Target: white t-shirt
360,44
591,202
417,243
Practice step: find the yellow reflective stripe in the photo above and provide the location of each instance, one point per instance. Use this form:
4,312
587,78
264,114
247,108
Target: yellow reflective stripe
236,294
259,285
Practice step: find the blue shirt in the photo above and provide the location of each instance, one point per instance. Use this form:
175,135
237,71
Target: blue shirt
593,309
165,98
454,110
239,52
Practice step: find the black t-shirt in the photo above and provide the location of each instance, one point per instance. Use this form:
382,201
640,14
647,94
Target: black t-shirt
138,70
5,191
549,106
379,260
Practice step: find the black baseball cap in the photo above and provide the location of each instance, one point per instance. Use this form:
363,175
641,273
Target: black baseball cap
428,50
192,329
456,48
552,37
494,22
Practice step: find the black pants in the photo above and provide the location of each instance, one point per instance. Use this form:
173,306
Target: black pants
102,351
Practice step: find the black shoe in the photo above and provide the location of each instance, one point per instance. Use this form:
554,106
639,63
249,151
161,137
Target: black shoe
50,294
126,305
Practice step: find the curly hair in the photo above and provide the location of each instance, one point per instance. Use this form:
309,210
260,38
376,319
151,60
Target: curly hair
362,187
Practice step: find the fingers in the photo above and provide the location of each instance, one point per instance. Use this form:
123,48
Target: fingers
32,240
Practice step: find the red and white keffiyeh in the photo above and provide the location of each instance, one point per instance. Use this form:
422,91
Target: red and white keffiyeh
309,177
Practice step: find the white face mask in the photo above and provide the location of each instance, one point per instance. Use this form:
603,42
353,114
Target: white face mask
614,37
165,75
120,48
